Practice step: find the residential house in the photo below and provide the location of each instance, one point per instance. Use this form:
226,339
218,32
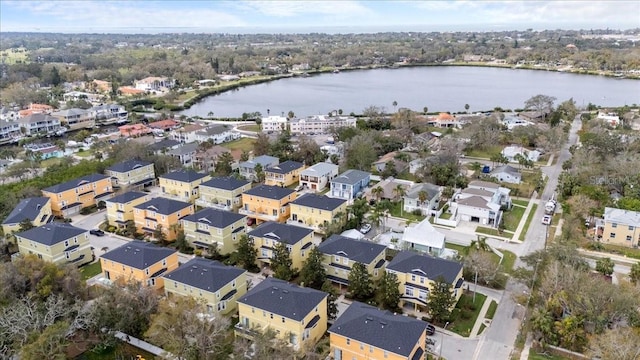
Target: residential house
364,332
163,146
58,243
610,118
219,286
424,197
132,174
513,152
297,314
217,134
120,208
269,234
317,211
39,124
80,95
8,114
267,203
183,184
247,169
423,237
513,121
349,185
160,212
213,227
274,123
317,177
75,119
621,227
10,132
139,261
443,120
507,173
223,192
108,114
44,151
36,109
341,253
186,154
398,165
70,197
389,189
164,125
186,134
417,274
206,159
154,83
319,124
482,202
35,209
283,174
129,91
133,130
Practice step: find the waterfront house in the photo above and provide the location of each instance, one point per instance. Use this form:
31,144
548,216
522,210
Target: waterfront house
139,261
59,243
70,197
75,119
120,208
212,227
182,184
267,203
39,124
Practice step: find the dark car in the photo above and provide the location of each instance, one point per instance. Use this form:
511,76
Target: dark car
431,329
96,232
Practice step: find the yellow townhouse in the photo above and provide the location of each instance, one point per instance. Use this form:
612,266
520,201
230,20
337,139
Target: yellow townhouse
267,203
182,184
120,208
132,174
364,332
340,253
418,273
36,210
297,239
223,192
284,174
70,197
59,243
161,212
218,285
621,227
317,211
139,261
213,227
296,314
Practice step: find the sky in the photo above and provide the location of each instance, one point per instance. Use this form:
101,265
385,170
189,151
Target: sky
337,16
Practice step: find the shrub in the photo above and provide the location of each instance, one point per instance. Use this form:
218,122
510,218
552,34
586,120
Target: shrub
198,252
111,228
466,314
417,212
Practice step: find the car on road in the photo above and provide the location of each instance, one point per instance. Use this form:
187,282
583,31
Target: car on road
96,232
365,228
431,330
546,220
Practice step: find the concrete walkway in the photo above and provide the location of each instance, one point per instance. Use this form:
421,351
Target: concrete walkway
524,355
523,221
481,317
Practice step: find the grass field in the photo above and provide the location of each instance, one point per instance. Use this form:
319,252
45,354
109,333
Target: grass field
520,202
396,211
49,162
493,232
465,314
91,270
512,218
255,128
533,355
14,55
241,144
484,154
491,311
526,224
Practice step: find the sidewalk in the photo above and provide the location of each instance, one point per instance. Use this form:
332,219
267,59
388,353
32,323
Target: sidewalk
616,258
524,355
481,317
523,221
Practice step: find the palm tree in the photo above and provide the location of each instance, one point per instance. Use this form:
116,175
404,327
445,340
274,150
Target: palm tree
400,192
377,192
475,166
375,218
480,244
422,197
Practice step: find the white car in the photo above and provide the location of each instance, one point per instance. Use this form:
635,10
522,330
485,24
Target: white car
546,220
365,228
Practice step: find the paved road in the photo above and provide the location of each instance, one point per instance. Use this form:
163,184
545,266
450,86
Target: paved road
92,221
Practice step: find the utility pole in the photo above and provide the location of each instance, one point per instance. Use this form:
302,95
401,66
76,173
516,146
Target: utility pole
475,290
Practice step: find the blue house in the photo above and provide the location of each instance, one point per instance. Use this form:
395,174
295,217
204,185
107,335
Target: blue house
46,151
349,185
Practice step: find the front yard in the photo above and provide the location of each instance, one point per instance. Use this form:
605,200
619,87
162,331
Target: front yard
466,313
513,217
396,211
244,144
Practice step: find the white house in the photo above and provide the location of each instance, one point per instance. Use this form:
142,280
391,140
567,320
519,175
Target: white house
423,237
481,202
217,133
154,83
511,121
611,118
320,124
430,204
108,114
512,152
507,173
186,134
274,123
317,177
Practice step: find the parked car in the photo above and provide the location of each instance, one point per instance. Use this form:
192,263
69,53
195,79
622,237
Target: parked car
96,232
365,228
431,330
546,220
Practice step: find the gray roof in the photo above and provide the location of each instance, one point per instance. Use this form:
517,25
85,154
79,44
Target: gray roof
225,183
283,299
138,254
394,333
318,201
264,160
478,192
474,201
270,192
34,118
28,208
351,177
213,130
621,216
319,169
214,217
410,262
356,250
127,197
72,184
506,169
483,184
163,144
163,206
69,112
208,275
285,167
184,149
284,233
184,176
431,190
128,165
52,233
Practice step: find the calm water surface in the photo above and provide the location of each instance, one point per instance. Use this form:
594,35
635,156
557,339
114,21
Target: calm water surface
441,88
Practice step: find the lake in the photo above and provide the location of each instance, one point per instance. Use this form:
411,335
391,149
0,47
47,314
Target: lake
440,88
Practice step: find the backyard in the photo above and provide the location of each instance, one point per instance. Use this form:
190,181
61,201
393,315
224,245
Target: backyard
396,210
255,128
484,154
244,144
91,270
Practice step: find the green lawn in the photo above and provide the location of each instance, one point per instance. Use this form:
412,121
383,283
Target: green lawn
459,248
533,355
255,128
83,153
241,144
396,210
50,162
485,154
492,310
91,270
14,56
492,232
521,202
526,224
621,250
508,261
465,313
482,327
512,218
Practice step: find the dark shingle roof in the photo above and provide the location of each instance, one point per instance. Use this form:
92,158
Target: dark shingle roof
127,197
413,263
394,333
270,192
351,177
283,299
72,184
128,165
214,217
26,209
285,167
138,254
208,275
284,233
184,176
356,250
51,234
225,183
318,201
163,206
431,190
163,144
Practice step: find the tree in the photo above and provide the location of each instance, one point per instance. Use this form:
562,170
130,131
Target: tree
265,344
482,265
332,306
223,164
498,158
422,196
49,344
359,154
634,274
399,192
25,225
377,192
291,114
262,145
447,192
281,263
605,266
389,290
181,241
313,274
441,301
543,104
259,172
244,156
616,344
360,285
357,212
389,170
159,234
425,110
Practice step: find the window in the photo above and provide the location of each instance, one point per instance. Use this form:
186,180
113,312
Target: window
612,235
422,295
233,283
375,272
146,271
630,227
361,346
218,294
265,253
386,354
219,231
628,237
421,279
66,243
345,260
151,282
264,314
348,341
370,348
283,319
163,217
270,316
222,305
302,253
413,277
408,291
336,258
75,239
164,262
614,225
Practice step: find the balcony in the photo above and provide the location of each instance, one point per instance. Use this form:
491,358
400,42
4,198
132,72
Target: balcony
243,331
205,203
258,215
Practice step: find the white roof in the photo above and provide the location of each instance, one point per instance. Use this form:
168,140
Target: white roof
353,234
621,216
319,169
424,234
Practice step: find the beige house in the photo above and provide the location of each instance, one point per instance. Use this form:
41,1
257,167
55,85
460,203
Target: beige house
621,227
36,209
213,227
59,243
132,174
223,192
120,208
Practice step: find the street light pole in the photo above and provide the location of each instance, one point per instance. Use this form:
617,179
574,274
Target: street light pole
475,290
